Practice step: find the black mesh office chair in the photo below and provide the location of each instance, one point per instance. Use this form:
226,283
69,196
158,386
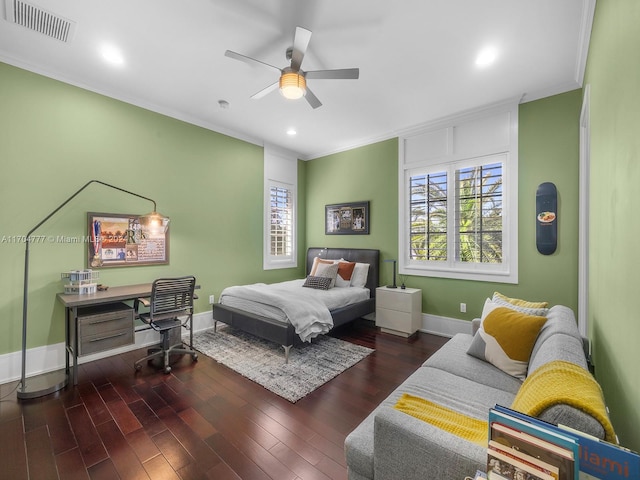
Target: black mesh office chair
170,308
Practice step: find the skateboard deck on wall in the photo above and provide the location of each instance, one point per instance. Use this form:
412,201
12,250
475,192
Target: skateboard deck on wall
546,218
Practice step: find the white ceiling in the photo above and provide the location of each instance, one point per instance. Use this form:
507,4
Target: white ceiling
416,60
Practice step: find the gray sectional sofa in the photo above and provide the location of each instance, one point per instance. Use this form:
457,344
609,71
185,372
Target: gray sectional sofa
391,445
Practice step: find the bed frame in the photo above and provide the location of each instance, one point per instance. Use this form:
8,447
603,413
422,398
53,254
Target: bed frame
284,333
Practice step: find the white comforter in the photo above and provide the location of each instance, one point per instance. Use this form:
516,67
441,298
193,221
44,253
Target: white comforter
306,308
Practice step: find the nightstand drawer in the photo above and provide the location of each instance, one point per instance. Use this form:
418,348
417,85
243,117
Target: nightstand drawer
394,320
397,299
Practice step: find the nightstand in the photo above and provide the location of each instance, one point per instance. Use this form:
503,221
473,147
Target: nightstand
399,311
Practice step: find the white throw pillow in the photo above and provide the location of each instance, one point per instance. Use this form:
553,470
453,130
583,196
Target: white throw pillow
359,275
327,270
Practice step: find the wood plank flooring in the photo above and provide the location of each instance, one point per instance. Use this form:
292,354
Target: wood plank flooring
202,421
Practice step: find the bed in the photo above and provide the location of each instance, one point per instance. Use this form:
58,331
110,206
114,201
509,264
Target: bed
283,332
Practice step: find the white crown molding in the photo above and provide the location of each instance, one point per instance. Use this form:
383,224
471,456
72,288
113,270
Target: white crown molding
586,24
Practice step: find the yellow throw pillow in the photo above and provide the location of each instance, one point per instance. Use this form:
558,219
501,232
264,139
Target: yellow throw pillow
518,302
506,338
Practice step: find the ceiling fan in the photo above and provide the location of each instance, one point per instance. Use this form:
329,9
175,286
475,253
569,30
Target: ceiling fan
293,80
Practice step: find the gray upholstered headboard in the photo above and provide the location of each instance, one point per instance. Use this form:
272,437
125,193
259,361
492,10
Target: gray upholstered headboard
361,255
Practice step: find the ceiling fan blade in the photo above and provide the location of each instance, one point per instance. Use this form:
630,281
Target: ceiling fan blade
249,60
344,73
265,90
300,44
312,99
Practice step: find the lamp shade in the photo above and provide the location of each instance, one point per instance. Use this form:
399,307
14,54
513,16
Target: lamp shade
154,223
293,85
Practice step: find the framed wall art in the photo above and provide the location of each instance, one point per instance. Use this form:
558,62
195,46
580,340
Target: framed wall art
117,240
347,218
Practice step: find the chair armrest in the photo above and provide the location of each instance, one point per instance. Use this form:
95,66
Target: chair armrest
144,301
136,307
408,448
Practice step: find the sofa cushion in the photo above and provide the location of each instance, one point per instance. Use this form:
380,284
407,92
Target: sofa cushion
460,394
452,357
506,338
560,321
560,339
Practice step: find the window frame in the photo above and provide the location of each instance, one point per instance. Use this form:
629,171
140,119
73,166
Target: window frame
413,161
280,171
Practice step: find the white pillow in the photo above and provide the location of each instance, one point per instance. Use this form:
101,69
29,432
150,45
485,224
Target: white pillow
327,270
359,275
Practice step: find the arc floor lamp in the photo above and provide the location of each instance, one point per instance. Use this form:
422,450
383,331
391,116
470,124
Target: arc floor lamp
44,384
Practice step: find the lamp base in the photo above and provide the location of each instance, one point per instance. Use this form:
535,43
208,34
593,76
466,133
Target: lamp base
392,286
41,385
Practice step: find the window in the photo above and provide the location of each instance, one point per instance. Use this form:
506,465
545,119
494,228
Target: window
458,211
281,221
476,236
280,191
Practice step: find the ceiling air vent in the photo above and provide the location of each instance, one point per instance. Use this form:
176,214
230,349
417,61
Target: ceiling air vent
39,20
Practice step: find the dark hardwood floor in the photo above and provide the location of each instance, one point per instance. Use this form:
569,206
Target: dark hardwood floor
202,421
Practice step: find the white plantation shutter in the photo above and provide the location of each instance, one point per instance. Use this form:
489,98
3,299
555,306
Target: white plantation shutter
281,221
280,203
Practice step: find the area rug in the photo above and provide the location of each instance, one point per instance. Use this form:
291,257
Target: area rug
310,365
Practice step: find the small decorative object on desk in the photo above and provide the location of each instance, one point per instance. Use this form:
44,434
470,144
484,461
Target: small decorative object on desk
81,282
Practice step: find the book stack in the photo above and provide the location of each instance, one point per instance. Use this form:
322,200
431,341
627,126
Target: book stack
526,448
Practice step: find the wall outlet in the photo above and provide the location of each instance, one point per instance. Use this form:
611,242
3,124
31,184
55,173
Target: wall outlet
212,299
463,307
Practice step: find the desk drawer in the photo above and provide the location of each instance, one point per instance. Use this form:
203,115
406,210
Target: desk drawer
104,328
105,341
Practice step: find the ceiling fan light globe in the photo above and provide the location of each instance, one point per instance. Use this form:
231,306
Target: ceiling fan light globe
293,85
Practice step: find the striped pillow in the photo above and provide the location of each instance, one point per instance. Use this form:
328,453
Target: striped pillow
518,302
529,308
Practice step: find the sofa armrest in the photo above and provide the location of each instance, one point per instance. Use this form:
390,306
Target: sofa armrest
475,325
408,448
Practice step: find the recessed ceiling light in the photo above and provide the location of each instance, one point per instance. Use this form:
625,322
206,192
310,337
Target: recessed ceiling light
291,132
486,57
112,55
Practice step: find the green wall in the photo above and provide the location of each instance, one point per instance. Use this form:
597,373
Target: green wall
613,70
55,137
548,141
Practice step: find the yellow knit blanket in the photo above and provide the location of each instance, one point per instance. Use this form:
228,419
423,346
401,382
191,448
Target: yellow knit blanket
554,383
444,418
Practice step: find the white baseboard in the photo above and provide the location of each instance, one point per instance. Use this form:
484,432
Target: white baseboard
52,357
436,325
444,326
